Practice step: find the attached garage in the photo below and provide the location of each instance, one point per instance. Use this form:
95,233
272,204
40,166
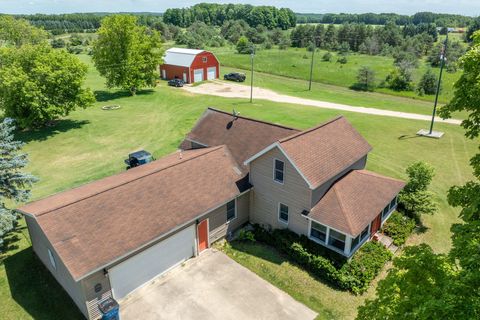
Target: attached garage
190,65
151,263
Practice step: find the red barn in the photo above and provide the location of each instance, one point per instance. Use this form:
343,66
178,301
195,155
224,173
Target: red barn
189,65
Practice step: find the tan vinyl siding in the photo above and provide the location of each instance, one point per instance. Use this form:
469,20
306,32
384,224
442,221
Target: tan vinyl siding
267,193
92,297
218,225
319,192
40,247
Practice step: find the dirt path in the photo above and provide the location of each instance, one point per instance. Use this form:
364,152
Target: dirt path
233,90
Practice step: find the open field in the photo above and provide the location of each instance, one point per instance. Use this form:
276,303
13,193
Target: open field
295,63
92,143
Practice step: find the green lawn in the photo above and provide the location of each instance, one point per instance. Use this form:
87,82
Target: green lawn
295,63
92,143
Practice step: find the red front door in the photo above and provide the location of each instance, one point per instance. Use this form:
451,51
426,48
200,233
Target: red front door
202,232
376,224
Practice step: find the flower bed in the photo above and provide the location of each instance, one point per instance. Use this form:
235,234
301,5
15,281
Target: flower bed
398,227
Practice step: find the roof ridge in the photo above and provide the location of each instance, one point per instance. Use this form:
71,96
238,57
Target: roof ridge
212,149
255,120
376,175
311,129
346,216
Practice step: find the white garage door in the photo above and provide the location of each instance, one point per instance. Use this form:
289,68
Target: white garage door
148,264
198,75
211,73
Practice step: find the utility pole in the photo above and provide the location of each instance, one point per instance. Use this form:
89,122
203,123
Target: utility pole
430,133
442,64
311,65
252,55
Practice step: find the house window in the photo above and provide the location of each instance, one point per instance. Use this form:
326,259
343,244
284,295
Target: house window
278,170
204,59
318,232
336,239
52,259
283,213
231,210
385,211
360,238
393,203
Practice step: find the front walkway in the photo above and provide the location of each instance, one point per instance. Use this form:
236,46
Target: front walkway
386,241
212,286
232,90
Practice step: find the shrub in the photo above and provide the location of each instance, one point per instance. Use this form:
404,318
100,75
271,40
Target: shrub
354,275
428,83
342,60
367,262
246,235
243,45
327,56
400,79
365,79
398,227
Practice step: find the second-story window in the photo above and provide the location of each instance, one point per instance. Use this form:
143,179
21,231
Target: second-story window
204,59
278,170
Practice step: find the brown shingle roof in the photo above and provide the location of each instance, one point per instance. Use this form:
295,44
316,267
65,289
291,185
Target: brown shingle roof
322,152
93,225
244,137
355,200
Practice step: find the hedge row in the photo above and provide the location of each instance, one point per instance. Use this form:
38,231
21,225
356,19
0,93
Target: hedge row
354,275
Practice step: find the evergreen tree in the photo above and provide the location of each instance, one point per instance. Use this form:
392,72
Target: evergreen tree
14,184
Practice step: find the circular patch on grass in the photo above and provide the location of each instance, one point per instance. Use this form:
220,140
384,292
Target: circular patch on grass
111,107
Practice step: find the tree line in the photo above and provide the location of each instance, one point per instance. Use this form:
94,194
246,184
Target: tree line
80,22
216,15
440,19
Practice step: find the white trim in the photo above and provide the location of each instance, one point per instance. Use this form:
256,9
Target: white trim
226,206
275,169
153,241
277,145
198,236
278,214
323,224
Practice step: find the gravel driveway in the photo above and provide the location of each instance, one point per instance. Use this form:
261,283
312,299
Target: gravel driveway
214,287
233,90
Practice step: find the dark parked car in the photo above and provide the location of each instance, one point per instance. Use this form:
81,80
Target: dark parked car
176,83
235,76
138,158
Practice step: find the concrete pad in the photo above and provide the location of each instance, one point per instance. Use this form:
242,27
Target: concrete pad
212,286
426,133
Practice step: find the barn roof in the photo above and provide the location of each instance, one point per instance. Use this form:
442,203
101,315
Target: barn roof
180,56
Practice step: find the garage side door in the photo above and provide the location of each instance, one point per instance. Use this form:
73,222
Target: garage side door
198,75
143,267
211,73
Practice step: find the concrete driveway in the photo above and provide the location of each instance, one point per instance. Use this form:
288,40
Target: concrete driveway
212,286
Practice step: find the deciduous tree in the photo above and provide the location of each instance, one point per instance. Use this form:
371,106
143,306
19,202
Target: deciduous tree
41,84
19,32
127,54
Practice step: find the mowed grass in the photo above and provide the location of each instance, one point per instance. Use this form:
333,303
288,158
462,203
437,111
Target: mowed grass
92,143
295,63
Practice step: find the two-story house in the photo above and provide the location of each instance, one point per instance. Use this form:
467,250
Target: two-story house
110,237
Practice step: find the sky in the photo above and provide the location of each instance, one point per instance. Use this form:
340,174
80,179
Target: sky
466,7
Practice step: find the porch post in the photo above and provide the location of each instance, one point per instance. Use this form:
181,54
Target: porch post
348,245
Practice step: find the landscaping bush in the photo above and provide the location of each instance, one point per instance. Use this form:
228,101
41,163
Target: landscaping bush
398,227
327,56
354,275
365,265
246,235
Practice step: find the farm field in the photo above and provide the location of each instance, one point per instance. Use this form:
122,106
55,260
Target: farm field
92,143
295,63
